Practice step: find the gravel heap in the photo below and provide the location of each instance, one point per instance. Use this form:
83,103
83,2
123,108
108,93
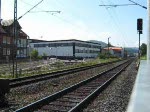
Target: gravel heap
116,96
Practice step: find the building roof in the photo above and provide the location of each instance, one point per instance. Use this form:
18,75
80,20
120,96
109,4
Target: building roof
9,23
22,34
114,48
34,41
4,28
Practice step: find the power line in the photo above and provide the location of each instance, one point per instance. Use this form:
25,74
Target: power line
46,12
62,19
40,10
117,5
115,23
52,13
30,9
124,35
138,4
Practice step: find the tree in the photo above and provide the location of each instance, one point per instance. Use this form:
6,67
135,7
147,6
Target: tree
143,49
34,54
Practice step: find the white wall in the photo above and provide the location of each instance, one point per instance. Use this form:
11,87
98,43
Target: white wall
55,51
88,54
64,50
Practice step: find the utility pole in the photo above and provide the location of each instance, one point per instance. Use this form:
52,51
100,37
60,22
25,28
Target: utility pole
108,46
148,38
15,39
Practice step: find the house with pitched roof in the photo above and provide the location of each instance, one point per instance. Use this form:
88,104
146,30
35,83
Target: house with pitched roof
11,46
115,51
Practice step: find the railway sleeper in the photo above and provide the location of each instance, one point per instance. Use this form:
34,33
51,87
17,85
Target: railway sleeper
66,100
52,108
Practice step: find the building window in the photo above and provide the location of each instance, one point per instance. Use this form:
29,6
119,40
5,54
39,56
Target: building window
8,40
4,51
4,40
8,51
36,45
77,50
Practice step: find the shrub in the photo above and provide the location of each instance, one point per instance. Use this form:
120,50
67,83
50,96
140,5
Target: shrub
102,56
39,57
34,54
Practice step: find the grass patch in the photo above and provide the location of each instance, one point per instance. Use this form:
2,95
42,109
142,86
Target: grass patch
143,57
58,66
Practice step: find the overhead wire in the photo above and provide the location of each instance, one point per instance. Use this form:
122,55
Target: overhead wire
75,15
115,22
30,9
65,20
138,4
48,12
112,25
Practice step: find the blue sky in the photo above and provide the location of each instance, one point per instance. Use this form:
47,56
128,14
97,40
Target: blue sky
81,19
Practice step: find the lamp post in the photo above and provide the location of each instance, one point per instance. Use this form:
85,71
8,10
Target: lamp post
108,46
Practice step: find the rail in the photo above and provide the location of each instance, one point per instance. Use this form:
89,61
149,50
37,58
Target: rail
73,98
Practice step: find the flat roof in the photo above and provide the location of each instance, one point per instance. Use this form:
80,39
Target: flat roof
66,40
140,98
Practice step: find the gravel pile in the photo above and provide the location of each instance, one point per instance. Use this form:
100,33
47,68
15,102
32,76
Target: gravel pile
116,96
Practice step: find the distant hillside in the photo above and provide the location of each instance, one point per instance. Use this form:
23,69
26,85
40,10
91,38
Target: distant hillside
103,44
131,50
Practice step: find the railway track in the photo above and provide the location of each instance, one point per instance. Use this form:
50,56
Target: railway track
33,79
74,98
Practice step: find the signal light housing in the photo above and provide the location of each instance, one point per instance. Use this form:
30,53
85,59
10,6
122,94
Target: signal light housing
140,24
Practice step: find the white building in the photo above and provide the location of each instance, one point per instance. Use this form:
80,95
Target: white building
67,48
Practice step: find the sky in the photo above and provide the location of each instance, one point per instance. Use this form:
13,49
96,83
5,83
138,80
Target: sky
80,19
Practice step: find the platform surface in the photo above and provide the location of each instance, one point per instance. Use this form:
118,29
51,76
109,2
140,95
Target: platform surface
140,97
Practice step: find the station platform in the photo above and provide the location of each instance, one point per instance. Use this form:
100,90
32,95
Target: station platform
140,97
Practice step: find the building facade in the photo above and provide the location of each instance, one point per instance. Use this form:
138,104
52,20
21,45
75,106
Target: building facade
67,49
9,46
115,51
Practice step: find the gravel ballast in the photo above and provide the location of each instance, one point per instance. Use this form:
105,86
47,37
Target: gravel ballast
116,96
25,95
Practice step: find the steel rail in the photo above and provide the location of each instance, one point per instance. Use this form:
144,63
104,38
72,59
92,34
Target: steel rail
36,78
36,105
95,93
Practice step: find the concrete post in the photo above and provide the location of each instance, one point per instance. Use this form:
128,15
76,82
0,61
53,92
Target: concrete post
148,37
